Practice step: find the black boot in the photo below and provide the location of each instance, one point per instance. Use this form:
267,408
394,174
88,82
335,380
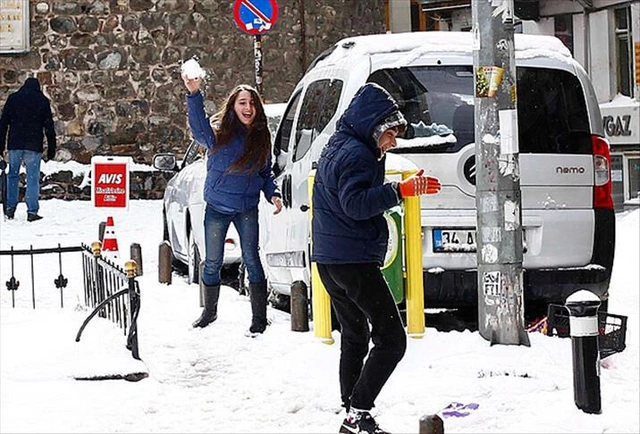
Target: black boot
210,312
258,296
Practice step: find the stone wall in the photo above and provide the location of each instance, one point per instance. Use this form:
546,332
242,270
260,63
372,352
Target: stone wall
112,67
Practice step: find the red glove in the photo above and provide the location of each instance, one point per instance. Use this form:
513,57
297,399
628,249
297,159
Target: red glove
418,184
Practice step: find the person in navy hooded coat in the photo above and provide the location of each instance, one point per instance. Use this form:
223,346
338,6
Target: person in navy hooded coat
350,238
238,169
26,118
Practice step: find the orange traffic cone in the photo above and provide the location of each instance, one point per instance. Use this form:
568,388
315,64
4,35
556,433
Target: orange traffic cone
110,243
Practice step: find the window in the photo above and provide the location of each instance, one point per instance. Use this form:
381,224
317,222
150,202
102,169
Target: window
318,107
634,177
623,53
617,180
564,30
553,121
281,143
436,100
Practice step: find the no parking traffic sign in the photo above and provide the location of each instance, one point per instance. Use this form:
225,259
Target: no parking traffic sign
255,17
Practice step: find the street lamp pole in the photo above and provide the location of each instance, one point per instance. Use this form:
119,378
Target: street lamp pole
498,197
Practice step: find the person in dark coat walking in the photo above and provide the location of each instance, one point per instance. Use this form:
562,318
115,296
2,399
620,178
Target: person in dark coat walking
238,169
350,238
26,116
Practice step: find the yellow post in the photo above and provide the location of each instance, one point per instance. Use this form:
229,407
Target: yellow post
413,249
320,301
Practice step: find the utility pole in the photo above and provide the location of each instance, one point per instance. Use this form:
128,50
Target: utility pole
498,198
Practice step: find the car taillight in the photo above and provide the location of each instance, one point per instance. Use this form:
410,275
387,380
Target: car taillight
229,244
602,173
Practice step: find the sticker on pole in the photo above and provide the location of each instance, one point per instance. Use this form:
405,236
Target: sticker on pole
255,17
110,182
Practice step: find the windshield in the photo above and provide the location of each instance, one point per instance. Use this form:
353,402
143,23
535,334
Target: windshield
438,103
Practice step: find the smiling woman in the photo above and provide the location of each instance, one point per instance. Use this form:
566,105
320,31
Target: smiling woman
238,169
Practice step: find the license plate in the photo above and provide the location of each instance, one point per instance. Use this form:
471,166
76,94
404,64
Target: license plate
454,240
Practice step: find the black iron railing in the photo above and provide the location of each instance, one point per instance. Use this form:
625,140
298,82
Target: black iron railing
112,292
60,282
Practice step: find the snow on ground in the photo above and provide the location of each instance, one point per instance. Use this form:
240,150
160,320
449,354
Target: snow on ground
217,380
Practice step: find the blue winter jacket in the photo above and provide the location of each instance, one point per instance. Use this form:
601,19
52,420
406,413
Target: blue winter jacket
26,115
349,196
228,191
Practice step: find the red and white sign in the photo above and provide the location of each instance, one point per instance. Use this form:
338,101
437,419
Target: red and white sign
110,179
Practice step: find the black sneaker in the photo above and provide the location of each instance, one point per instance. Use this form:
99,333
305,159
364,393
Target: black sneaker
360,423
10,212
33,217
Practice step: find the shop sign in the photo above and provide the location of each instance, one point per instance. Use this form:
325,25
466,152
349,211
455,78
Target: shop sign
14,26
621,123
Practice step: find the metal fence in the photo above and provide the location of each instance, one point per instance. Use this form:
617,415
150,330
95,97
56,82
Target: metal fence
110,290
61,281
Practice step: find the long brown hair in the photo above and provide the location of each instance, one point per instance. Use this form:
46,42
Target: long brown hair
257,147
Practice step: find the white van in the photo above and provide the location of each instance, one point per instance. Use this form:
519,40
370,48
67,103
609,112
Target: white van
568,218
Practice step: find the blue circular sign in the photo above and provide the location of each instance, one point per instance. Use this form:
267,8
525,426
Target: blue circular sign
255,16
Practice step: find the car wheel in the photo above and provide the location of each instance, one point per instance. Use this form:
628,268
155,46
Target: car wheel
176,265
243,280
194,260
280,301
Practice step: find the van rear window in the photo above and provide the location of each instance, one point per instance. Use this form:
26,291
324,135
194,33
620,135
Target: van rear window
438,102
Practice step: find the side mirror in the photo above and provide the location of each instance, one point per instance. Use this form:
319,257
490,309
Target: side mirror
165,162
409,133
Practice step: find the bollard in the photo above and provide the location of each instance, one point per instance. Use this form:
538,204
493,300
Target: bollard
299,304
136,255
413,252
165,256
99,293
320,299
131,268
431,424
101,227
200,284
583,326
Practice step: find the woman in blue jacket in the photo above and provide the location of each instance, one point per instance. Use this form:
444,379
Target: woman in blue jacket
238,168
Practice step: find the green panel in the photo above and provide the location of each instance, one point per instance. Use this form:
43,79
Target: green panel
392,269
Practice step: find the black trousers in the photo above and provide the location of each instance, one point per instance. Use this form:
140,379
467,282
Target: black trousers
360,295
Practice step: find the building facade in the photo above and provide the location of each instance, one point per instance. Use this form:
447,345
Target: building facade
603,35
111,68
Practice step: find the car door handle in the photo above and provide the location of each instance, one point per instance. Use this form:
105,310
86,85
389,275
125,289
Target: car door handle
286,191
304,208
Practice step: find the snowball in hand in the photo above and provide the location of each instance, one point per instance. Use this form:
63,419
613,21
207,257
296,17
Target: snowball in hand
192,69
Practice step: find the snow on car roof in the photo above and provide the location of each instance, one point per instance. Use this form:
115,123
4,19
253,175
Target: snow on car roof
417,44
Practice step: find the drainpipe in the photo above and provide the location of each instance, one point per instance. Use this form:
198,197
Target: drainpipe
587,7
303,38
635,37
587,41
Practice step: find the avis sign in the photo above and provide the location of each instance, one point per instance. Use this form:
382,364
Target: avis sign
110,177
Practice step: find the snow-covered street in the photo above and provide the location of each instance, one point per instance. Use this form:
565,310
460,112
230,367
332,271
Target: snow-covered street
217,380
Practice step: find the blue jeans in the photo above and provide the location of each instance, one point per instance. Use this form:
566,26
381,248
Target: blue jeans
32,163
216,225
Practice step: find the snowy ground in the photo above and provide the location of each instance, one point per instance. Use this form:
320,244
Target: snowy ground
217,380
